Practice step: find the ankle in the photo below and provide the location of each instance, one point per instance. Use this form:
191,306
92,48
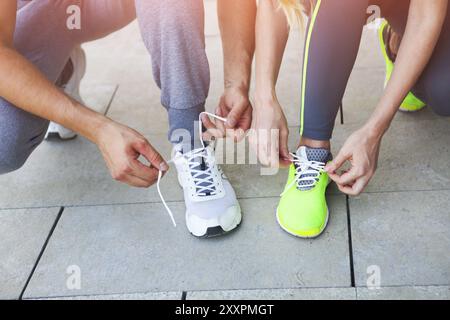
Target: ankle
393,45
311,143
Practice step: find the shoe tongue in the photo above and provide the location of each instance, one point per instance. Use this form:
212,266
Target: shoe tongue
314,154
311,154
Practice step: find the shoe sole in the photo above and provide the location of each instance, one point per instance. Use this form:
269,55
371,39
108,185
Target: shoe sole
57,136
305,237
217,231
411,111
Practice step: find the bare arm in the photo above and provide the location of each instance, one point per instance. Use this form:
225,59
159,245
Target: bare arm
26,87
237,20
237,29
422,32
272,33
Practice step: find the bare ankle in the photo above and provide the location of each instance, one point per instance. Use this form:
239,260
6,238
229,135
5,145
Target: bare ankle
311,143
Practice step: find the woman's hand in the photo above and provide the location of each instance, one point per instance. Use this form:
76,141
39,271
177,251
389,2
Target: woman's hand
361,149
269,134
121,147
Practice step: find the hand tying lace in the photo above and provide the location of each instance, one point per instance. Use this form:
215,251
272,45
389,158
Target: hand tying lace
202,178
306,173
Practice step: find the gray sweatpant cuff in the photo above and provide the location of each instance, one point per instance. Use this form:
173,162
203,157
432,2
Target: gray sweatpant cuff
183,125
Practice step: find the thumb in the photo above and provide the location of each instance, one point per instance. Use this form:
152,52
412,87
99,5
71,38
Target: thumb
285,156
152,156
337,162
235,114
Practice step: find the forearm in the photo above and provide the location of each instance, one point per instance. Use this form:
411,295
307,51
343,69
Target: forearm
25,87
272,33
421,35
237,20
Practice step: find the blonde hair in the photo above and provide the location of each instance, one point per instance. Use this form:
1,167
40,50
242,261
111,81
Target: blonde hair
294,10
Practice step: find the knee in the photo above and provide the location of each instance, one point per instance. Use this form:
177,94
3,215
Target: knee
438,96
439,100
11,160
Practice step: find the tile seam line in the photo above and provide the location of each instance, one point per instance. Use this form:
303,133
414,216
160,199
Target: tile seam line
111,100
41,252
356,288
350,243
181,200
186,291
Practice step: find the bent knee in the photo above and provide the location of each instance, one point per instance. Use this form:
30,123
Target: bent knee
11,161
438,95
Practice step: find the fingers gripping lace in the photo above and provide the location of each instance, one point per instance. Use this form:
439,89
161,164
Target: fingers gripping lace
202,179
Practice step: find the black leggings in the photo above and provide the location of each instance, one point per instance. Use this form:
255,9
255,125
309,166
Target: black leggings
331,46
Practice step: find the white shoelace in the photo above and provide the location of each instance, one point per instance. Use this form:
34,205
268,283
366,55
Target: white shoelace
195,154
305,171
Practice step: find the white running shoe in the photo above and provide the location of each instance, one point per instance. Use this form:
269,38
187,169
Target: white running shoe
71,88
211,205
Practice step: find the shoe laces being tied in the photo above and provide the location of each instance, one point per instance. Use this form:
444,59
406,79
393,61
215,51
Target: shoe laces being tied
200,164
307,173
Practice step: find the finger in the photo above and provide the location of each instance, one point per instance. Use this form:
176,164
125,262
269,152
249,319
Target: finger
152,156
212,134
207,123
274,148
239,135
235,114
356,188
285,156
345,189
359,186
350,176
337,162
246,119
252,139
143,172
134,181
263,148
220,124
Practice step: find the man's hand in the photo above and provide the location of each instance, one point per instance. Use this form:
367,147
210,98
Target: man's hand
234,106
270,133
121,147
361,149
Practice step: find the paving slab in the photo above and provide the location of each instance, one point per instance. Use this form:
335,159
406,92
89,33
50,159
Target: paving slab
134,248
23,234
405,293
276,294
405,235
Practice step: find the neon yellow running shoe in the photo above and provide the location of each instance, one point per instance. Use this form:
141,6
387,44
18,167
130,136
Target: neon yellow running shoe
411,102
303,210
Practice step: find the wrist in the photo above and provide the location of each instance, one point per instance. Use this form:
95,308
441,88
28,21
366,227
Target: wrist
265,97
376,129
241,85
90,124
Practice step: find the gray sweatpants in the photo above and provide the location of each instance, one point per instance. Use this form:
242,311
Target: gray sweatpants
172,30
